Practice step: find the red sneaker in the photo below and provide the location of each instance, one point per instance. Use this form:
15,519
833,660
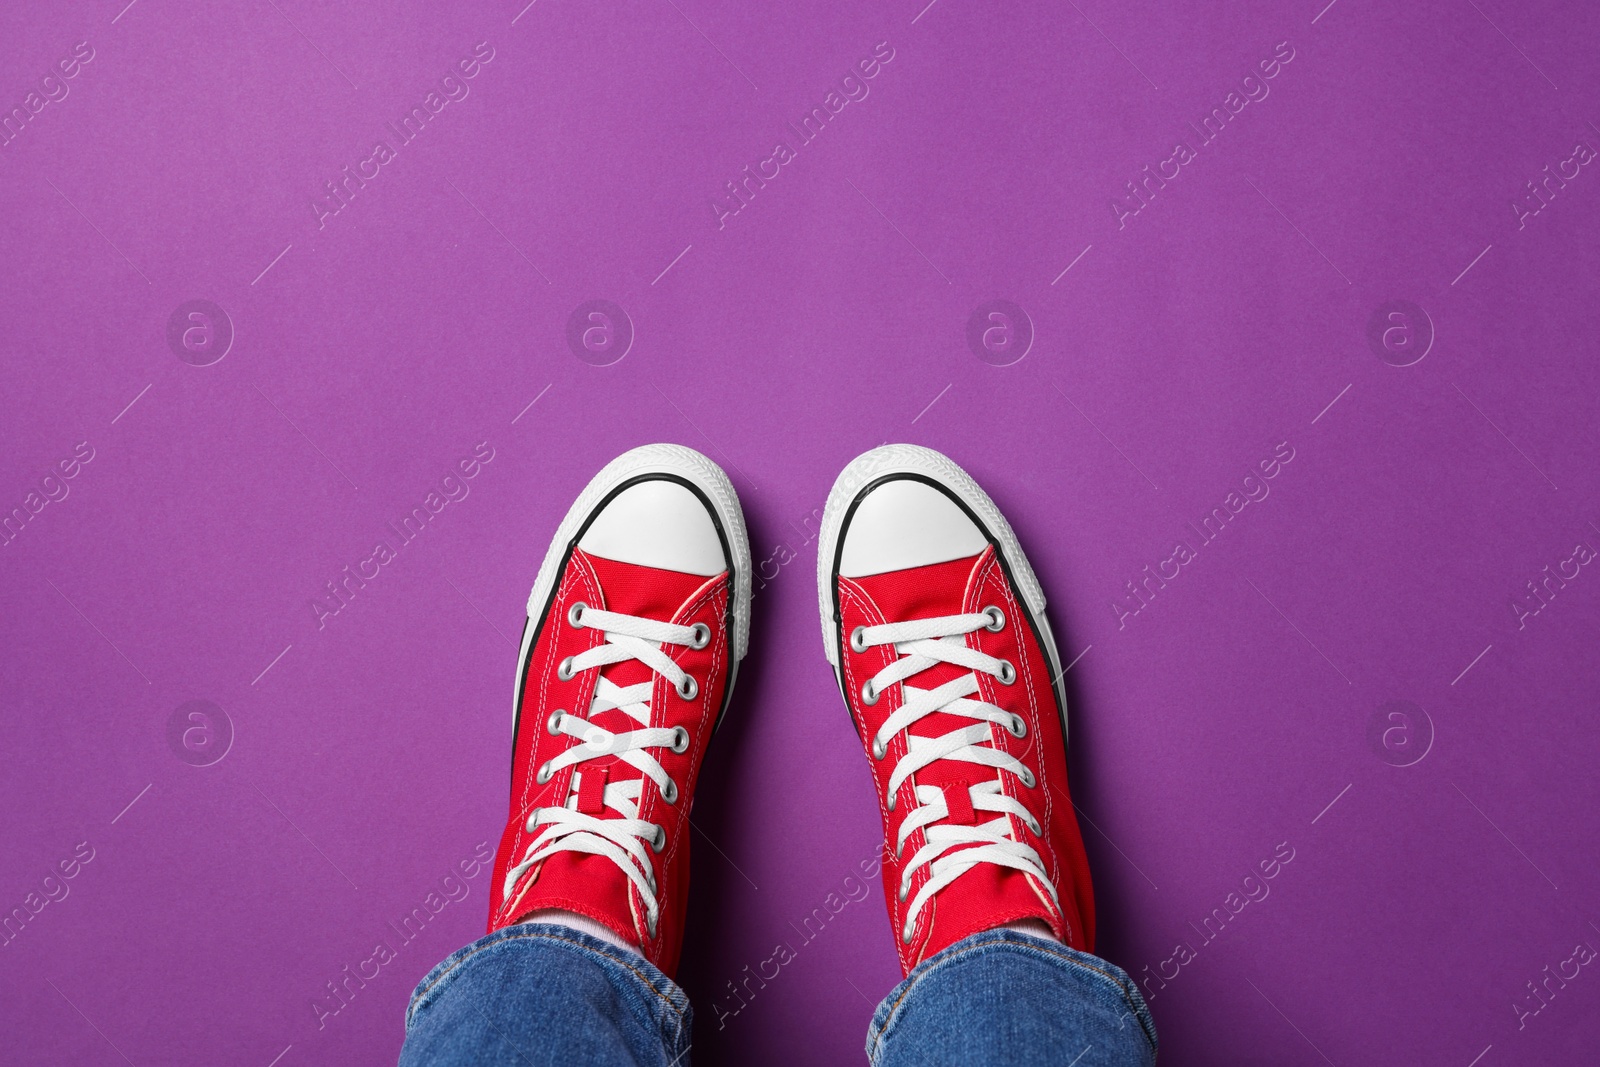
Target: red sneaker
636,626
935,625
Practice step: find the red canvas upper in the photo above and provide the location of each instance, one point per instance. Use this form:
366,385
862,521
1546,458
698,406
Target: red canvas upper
988,895
588,884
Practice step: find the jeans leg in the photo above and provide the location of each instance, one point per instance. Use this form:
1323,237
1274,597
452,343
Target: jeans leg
1005,997
538,995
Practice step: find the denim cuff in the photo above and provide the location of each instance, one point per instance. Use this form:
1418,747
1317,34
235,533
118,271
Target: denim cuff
636,979
1083,977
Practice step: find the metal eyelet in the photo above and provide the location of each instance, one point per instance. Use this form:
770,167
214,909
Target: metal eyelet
680,740
702,636
564,670
1027,778
669,792
869,693
906,935
1017,727
575,613
1033,824
659,841
997,619
554,722
1007,673
899,850
905,891
879,749
858,639
544,775
532,822
893,800
688,688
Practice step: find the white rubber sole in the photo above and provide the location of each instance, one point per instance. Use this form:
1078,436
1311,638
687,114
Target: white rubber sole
891,460
680,462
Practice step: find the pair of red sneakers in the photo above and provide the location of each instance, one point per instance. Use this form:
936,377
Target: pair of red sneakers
934,624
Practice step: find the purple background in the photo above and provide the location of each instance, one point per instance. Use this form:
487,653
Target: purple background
827,316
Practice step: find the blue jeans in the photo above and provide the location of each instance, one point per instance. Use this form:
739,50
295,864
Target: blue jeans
538,994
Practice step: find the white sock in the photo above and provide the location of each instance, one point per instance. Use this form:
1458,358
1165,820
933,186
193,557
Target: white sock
583,923
1031,927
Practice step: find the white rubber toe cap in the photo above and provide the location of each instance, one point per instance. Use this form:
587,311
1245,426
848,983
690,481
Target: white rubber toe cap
906,523
657,523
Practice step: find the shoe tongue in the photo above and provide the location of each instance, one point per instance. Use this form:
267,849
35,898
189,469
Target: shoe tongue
970,902
986,896
922,592
929,592
648,593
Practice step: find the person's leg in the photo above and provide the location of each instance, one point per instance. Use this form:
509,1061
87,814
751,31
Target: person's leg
935,625
1017,999
636,625
542,995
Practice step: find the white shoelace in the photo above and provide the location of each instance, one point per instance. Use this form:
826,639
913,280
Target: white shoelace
924,643
622,840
